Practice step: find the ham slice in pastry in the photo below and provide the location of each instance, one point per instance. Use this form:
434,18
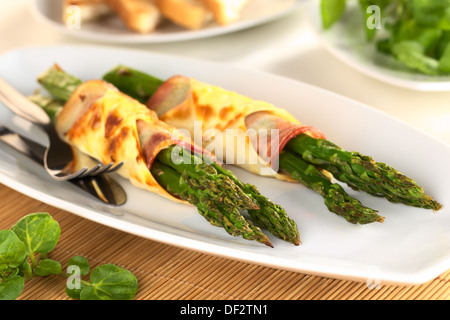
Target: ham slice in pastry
236,128
100,121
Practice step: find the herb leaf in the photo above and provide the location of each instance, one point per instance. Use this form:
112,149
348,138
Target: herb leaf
38,231
12,250
48,266
444,62
332,11
416,32
411,54
81,262
110,282
77,266
11,287
73,291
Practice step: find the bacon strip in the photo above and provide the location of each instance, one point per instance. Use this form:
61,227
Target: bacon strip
265,121
182,102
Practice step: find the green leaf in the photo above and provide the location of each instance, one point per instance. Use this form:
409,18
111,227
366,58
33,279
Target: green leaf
415,32
81,262
12,250
445,23
110,282
429,12
429,39
332,11
444,61
25,269
48,266
372,11
38,231
404,29
76,267
443,43
11,288
411,54
73,291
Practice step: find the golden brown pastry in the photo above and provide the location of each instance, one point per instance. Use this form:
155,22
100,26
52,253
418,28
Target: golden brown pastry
109,126
141,16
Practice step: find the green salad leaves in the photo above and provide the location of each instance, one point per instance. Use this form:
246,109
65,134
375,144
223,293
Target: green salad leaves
414,32
24,250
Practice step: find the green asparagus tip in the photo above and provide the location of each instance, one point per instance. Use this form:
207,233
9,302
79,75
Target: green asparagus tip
216,197
268,215
361,172
335,197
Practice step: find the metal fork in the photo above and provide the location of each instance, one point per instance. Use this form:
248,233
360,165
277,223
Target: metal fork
58,153
102,187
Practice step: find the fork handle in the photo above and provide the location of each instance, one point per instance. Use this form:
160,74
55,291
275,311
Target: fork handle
21,105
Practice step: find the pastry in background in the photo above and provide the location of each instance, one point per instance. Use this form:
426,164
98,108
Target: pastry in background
226,11
191,14
146,16
141,16
88,10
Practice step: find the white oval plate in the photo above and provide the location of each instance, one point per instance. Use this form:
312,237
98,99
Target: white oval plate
410,247
346,41
112,29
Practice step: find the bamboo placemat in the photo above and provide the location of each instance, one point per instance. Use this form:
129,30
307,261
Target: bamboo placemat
167,272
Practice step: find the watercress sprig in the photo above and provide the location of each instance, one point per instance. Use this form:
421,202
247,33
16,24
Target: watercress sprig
24,250
416,33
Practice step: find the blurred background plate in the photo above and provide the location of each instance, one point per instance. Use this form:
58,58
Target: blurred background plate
112,29
346,41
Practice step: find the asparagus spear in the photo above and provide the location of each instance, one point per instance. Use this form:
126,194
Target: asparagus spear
278,224
335,197
358,171
270,215
266,215
216,196
51,106
58,83
134,83
361,172
401,188
122,74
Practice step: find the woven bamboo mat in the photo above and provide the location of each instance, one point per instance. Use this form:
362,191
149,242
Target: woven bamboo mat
172,273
